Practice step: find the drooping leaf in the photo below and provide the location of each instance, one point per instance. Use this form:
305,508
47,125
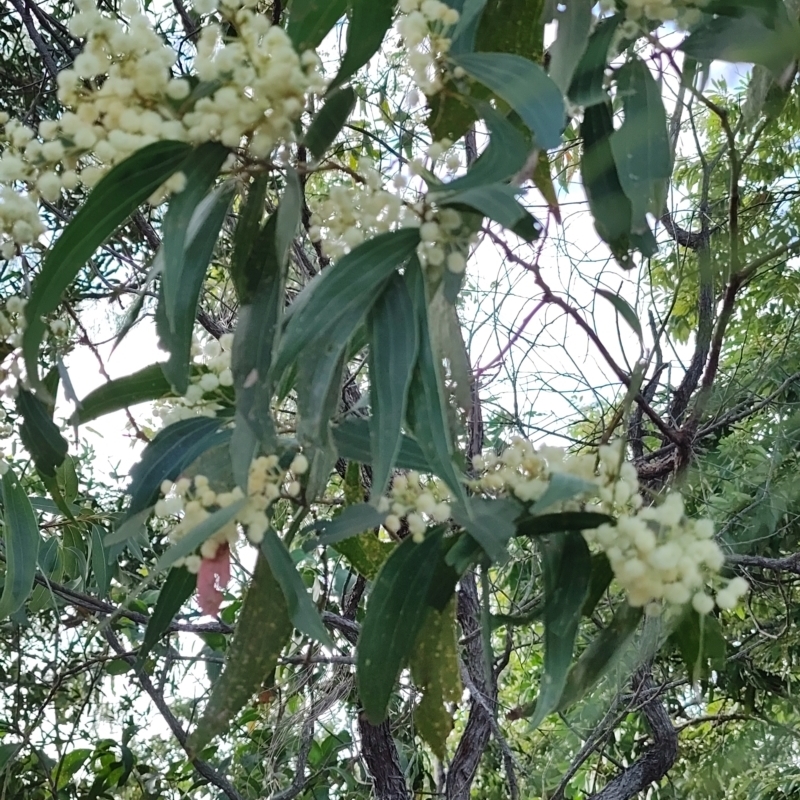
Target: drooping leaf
175,331
393,349
574,24
329,121
641,145
149,383
599,655
40,435
100,567
748,38
396,612
504,156
353,520
302,611
311,20
525,87
435,671
351,283
586,87
201,168
490,522
172,450
259,318
352,440
624,309
496,201
245,239
602,575
462,39
251,657
177,589
110,203
369,22
608,203
700,642
67,480
21,542
427,414
543,181
195,537
566,568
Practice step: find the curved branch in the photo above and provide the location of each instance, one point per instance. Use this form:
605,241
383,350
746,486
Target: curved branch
656,761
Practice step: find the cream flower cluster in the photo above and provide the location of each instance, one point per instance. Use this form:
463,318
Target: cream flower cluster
352,212
119,96
420,502
211,373
657,554
424,26
12,373
639,13
194,500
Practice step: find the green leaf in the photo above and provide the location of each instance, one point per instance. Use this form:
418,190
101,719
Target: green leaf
427,414
132,527
69,765
503,158
525,87
598,656
110,203
496,201
564,522
302,611
396,611
462,39
353,520
246,236
749,38
21,541
7,754
148,383
641,146
353,282
67,480
262,631
369,21
259,318
435,671
566,567
193,538
586,88
490,522
311,20
329,121
177,589
574,24
701,644
100,567
40,435
624,309
352,438
602,575
172,450
608,203
175,319
365,553
394,344
562,486
201,169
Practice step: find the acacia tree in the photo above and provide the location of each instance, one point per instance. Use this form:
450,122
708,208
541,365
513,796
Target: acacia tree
306,221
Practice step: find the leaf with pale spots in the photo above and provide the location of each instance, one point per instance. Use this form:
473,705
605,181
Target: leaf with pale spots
434,669
262,631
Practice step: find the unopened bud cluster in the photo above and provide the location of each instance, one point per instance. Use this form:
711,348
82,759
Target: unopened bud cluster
444,240
420,502
194,500
658,555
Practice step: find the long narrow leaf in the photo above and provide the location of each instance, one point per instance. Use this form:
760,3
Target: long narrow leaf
111,202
